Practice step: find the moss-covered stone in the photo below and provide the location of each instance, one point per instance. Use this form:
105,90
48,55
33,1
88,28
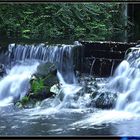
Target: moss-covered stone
40,85
45,69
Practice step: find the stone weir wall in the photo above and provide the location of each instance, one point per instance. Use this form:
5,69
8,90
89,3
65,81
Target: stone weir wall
100,58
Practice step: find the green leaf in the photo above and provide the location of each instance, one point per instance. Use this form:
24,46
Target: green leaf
25,31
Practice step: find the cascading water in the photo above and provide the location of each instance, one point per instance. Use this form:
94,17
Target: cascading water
126,84
126,81
61,55
69,116
15,84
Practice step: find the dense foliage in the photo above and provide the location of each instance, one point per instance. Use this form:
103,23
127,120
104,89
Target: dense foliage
96,21
37,85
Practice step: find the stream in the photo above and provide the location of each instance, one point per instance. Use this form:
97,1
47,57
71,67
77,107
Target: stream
71,116
67,122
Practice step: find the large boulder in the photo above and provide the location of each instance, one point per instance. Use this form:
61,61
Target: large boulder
46,68
41,83
48,72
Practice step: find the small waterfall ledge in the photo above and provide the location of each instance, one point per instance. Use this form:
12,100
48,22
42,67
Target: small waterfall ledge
87,103
105,56
24,61
67,59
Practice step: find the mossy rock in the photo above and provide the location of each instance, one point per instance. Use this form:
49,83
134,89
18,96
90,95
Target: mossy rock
40,85
48,72
45,69
42,82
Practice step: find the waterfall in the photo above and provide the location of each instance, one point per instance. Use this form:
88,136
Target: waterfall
126,81
60,55
25,60
15,85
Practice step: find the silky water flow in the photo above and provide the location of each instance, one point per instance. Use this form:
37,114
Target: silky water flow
69,116
26,59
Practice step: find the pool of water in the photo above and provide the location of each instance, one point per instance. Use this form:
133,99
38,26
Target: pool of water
67,122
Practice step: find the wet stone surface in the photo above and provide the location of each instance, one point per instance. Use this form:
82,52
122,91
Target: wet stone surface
100,96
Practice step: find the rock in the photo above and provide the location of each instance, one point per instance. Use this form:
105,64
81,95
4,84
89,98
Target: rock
55,89
73,92
94,94
89,84
30,103
48,72
46,103
104,100
100,97
51,80
33,77
46,68
2,70
41,95
4,59
42,81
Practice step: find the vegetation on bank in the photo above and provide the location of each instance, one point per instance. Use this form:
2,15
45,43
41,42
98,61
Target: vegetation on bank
94,21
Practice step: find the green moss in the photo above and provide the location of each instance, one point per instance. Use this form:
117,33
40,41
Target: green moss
37,85
25,100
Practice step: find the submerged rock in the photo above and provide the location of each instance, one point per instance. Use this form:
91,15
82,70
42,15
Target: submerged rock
10,108
89,84
100,96
104,100
70,92
50,102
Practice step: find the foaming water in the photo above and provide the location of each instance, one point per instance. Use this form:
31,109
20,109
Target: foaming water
105,117
16,84
126,81
69,90
68,112
61,55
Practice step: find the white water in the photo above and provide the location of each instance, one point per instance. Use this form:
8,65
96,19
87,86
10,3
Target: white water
69,90
126,80
105,116
60,55
16,84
